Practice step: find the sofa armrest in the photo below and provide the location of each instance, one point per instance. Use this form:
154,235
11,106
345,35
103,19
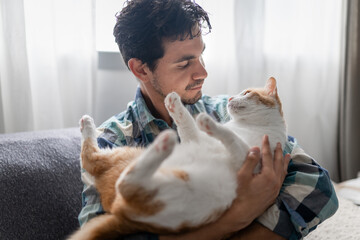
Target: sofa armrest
40,184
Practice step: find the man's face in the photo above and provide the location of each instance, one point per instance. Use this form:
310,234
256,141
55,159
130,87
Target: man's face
181,69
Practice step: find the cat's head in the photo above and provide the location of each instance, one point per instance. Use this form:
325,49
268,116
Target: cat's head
254,101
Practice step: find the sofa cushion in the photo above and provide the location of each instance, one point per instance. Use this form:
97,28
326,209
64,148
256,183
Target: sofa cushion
40,184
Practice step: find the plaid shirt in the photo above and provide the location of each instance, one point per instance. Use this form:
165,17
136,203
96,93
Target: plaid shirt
306,199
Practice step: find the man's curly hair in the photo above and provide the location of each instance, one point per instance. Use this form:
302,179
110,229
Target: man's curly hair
142,25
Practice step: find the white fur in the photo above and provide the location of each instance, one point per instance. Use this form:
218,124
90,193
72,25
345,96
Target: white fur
211,161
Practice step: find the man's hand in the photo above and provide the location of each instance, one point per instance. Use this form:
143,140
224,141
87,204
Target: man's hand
255,193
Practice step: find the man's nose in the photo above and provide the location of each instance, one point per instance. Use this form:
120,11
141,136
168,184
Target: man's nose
200,71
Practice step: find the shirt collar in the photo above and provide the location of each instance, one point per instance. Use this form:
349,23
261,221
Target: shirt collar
144,115
141,110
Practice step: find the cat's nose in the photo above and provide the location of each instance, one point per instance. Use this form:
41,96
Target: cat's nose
231,98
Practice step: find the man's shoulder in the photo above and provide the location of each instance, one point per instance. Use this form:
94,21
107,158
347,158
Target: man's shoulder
116,129
120,120
133,127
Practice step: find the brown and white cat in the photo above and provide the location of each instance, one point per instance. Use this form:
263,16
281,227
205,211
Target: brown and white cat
171,187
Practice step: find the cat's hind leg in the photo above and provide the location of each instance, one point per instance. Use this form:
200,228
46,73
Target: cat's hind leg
136,184
149,161
185,123
232,142
87,128
90,152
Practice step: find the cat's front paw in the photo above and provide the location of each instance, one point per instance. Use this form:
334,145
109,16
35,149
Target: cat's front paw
87,126
175,107
206,123
165,142
171,101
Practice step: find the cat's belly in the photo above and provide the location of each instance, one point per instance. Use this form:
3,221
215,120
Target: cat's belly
192,207
198,193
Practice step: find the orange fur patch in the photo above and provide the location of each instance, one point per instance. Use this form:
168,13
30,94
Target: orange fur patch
118,161
138,200
181,175
106,166
263,97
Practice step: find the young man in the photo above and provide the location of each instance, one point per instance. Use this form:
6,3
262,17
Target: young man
161,42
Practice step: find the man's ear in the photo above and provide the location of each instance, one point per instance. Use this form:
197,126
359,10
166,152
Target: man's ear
139,69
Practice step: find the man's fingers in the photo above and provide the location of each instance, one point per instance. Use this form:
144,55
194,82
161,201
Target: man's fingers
252,159
267,159
279,160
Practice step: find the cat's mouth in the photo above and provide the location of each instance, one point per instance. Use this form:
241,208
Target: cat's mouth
236,106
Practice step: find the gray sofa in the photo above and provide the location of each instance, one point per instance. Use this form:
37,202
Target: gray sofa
40,185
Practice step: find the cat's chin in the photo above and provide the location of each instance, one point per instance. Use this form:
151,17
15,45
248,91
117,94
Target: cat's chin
235,105
236,110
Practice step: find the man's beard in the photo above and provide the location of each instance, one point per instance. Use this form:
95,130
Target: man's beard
193,100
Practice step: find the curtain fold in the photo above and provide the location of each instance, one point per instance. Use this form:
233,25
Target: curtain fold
48,62
349,135
15,98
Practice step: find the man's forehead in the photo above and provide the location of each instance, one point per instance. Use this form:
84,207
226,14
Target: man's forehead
179,48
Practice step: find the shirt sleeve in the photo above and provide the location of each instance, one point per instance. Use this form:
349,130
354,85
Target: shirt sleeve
306,199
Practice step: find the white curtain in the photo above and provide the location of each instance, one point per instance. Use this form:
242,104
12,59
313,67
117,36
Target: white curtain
47,63
349,105
299,43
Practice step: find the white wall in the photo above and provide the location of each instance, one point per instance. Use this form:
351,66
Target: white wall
115,86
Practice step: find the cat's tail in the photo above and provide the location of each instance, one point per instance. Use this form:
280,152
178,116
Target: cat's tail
106,226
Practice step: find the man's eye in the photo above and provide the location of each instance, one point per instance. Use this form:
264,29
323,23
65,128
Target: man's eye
184,65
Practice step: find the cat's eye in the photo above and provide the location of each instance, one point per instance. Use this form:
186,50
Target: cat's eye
246,92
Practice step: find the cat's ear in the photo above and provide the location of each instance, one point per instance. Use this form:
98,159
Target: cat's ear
270,87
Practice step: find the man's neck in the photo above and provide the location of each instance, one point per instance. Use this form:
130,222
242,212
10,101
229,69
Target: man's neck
156,106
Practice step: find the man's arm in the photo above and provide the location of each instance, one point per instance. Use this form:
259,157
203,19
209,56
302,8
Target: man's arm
255,193
256,231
